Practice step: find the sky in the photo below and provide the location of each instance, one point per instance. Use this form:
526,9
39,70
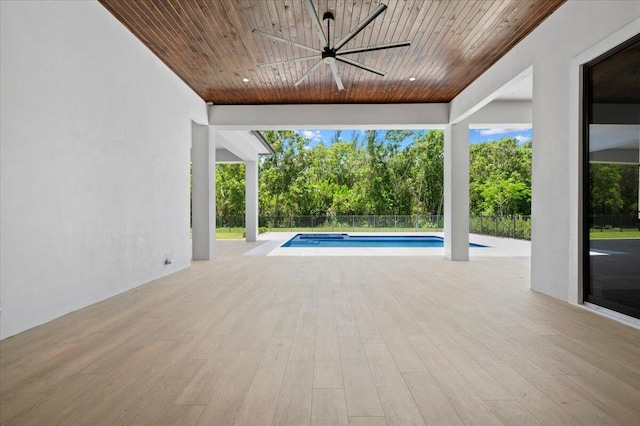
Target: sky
475,135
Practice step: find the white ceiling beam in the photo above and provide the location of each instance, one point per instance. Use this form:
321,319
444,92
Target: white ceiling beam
225,156
334,117
487,88
615,156
233,144
240,144
503,114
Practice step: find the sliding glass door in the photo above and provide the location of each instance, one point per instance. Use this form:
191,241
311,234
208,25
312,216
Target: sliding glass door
612,173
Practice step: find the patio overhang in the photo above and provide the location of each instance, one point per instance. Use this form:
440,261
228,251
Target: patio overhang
614,143
239,146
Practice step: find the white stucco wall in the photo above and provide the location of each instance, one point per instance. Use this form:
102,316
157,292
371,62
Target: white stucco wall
95,150
550,49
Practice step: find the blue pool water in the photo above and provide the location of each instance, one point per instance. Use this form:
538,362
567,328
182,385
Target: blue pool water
346,240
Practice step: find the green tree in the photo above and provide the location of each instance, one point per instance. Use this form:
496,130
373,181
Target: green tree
380,175
378,184
500,196
230,190
278,173
604,182
500,178
426,157
629,179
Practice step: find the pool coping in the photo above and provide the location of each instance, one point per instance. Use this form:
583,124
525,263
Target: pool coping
496,246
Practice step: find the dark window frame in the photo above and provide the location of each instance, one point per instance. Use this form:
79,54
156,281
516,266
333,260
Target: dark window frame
587,116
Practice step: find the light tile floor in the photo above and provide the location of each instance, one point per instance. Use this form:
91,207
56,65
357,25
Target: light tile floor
252,340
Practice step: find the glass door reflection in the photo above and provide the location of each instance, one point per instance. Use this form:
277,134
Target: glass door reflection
612,107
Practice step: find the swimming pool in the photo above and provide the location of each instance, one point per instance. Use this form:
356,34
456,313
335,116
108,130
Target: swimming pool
346,240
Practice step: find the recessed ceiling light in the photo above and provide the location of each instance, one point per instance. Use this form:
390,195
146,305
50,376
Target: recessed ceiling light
246,80
412,79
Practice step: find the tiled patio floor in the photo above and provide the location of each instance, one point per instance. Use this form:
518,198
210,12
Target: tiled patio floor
252,340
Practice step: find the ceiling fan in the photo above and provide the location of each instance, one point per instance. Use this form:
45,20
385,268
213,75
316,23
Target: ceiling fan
331,51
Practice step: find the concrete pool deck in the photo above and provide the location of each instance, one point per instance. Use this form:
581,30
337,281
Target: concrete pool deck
496,247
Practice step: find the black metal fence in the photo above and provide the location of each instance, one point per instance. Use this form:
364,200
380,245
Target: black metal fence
518,227
511,226
371,223
619,222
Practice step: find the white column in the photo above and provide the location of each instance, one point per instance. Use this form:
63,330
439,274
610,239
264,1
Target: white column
456,191
203,204
251,200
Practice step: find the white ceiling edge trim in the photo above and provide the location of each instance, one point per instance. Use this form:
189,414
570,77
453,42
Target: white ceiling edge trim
224,156
242,144
329,116
234,142
512,114
503,114
268,149
457,108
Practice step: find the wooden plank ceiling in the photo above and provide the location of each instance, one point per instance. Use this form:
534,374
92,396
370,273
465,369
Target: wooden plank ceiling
210,45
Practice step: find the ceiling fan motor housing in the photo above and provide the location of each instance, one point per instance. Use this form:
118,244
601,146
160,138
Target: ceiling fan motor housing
328,55
328,15
331,53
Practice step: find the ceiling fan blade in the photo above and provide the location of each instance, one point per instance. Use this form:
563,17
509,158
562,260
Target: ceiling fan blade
306,74
360,65
290,61
289,42
316,23
354,32
336,75
375,47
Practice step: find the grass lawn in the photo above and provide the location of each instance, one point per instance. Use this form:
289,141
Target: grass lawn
229,233
596,234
